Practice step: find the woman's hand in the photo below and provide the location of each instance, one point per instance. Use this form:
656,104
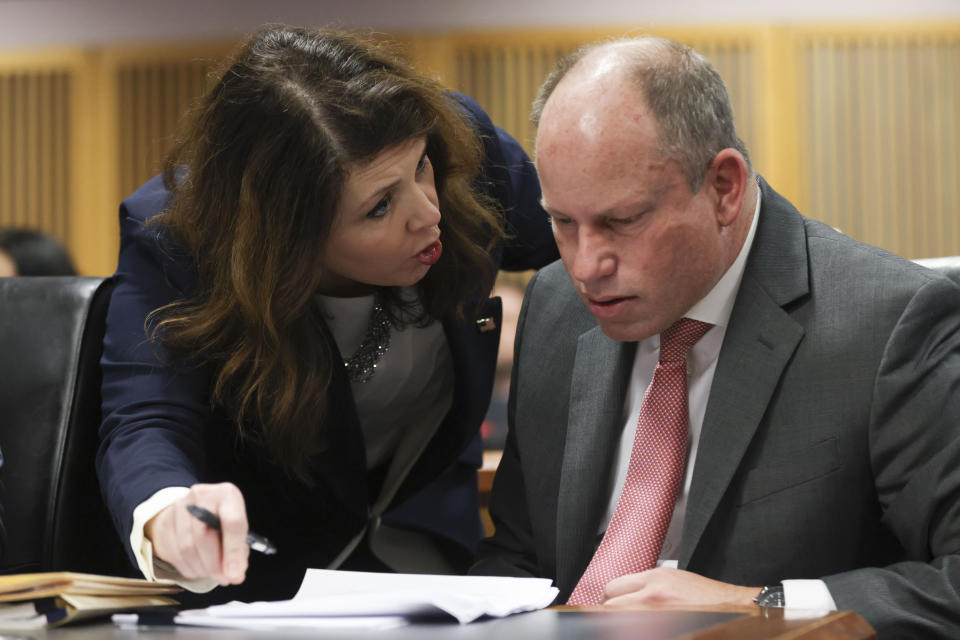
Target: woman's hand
193,548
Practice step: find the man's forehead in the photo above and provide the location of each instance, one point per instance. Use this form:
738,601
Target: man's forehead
625,190
624,140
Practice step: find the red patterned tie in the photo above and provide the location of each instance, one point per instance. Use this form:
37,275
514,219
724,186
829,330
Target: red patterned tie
635,535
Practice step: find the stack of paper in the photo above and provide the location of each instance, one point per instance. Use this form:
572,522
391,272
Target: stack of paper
351,598
38,600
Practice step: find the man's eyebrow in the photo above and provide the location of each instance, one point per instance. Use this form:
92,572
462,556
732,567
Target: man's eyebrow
553,213
628,211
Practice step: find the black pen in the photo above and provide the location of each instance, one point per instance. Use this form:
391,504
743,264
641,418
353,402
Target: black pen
255,540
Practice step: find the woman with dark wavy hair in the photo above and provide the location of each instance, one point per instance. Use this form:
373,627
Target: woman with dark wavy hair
300,339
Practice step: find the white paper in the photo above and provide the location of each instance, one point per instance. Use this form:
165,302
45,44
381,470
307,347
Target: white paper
354,595
199,617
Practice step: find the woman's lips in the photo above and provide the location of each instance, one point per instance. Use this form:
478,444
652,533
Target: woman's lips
431,254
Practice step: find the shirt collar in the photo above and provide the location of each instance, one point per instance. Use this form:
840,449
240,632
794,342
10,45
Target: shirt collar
717,305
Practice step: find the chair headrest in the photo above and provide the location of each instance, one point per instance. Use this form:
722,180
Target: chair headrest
947,265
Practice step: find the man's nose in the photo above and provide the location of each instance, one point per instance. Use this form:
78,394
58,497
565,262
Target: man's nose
594,258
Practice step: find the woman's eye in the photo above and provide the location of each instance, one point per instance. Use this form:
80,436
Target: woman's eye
422,165
381,208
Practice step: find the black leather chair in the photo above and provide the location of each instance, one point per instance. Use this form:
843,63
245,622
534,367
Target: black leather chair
948,266
51,337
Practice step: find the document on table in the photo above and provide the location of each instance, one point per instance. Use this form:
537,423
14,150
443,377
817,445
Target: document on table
353,598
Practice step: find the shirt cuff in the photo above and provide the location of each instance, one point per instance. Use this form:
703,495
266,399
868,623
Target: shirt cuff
155,569
808,594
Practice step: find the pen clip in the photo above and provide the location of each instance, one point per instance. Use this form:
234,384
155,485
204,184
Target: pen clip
254,540
261,544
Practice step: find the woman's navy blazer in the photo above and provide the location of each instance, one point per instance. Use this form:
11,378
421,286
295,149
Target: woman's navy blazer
159,428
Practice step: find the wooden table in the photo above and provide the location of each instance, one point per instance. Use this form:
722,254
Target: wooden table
491,460
560,623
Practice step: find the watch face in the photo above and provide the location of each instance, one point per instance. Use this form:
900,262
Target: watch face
770,597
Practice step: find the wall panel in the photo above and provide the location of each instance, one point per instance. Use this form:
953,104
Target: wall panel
153,94
35,148
858,124
880,130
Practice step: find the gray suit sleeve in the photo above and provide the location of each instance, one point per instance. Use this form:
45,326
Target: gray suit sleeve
509,552
915,453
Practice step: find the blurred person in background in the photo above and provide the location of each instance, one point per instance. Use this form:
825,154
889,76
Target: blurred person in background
27,252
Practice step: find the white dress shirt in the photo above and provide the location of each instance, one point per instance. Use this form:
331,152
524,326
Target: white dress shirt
714,308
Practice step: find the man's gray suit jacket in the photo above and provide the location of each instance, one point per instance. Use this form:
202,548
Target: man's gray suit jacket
830,447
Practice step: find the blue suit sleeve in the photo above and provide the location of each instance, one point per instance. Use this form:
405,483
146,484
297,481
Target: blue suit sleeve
153,413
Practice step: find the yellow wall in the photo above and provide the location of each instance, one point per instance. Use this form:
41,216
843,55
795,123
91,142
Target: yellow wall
858,124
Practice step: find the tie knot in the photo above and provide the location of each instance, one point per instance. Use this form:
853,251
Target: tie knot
677,339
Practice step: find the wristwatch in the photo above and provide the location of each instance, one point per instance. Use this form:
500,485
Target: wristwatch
771,596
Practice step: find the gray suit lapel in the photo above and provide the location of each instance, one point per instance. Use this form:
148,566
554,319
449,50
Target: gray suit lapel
759,342
601,372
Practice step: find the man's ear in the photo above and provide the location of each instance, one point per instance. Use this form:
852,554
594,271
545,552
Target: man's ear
726,184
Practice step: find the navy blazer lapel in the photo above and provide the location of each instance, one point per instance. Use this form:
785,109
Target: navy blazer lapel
601,372
343,463
759,342
473,347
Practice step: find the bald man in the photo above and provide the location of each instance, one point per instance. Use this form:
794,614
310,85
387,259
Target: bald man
818,457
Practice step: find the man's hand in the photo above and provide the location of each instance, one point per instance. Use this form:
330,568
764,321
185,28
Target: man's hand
193,548
665,586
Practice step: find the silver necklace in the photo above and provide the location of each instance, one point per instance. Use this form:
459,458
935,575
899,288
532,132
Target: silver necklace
363,363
